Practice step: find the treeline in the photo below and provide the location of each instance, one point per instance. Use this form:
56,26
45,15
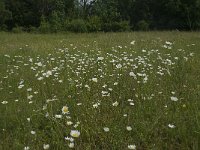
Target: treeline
98,15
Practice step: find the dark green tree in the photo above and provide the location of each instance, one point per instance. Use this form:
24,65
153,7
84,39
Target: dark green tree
5,15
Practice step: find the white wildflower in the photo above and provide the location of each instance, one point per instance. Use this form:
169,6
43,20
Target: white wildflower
20,86
95,80
26,148
168,43
58,116
39,64
33,132
71,145
100,58
75,133
174,98
115,104
95,105
132,43
65,110
29,89
106,129
132,74
132,147
69,123
119,66
30,97
46,146
129,128
4,102
171,126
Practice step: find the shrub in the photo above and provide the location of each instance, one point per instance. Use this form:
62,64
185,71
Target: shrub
78,26
55,21
3,27
142,25
18,29
44,26
116,26
33,29
94,24
123,26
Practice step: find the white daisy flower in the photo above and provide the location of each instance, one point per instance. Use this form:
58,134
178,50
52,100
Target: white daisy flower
132,147
132,43
129,128
71,145
26,148
174,98
95,80
33,132
58,116
115,104
46,146
65,110
4,102
171,126
75,133
106,129
119,66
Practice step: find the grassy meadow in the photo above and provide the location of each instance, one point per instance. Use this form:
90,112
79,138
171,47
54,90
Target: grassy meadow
100,91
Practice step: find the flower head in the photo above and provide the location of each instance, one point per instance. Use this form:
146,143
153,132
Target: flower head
174,98
71,145
65,110
171,126
4,102
46,146
26,148
115,104
132,43
94,80
129,128
75,133
106,129
132,147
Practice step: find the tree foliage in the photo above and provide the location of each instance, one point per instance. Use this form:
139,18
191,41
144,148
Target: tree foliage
100,15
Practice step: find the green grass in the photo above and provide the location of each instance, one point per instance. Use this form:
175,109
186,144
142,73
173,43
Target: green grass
72,62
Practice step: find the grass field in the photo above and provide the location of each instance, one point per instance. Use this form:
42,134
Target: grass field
113,91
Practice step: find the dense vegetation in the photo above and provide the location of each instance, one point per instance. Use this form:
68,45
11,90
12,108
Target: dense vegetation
98,15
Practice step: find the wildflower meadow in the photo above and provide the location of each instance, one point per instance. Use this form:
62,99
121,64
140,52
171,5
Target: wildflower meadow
100,91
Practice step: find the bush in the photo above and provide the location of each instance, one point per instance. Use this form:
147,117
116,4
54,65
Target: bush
44,26
78,26
18,29
3,27
123,26
33,29
142,25
94,24
55,21
116,26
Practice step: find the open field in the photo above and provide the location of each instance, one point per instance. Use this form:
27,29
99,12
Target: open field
118,91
